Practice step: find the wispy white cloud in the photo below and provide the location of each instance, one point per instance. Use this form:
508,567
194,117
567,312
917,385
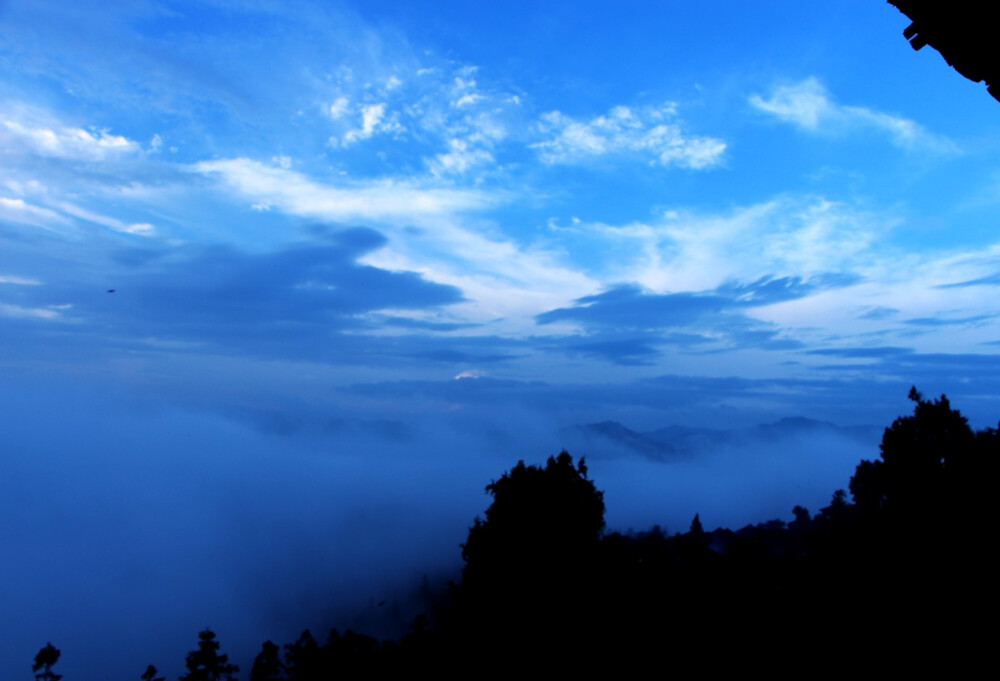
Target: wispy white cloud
375,200
441,114
63,142
19,312
505,284
19,281
468,100
653,133
462,155
139,228
809,106
339,108
18,210
786,236
373,121
498,277
812,238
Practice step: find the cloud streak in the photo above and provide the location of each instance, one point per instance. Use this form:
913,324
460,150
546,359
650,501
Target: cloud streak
375,200
809,106
63,142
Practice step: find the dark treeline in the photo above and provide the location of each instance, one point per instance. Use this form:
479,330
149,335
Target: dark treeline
899,575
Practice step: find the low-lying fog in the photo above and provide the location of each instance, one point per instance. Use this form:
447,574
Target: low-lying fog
128,528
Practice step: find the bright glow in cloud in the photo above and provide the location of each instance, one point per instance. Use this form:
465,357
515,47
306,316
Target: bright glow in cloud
624,131
808,105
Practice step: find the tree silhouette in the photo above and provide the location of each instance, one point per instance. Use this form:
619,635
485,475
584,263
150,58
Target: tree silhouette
921,458
150,674
44,661
528,566
302,658
206,664
267,665
540,517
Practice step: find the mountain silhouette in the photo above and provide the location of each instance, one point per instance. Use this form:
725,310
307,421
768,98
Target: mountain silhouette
671,443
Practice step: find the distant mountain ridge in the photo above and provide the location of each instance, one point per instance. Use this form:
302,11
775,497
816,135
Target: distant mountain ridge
679,442
591,435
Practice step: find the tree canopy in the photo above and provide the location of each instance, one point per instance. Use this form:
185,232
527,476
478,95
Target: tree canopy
539,517
44,661
922,457
206,664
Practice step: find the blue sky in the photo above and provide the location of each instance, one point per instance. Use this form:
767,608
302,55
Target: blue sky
566,193
497,218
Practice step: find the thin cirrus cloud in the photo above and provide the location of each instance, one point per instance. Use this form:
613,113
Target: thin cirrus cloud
501,276
989,280
651,133
54,140
809,106
19,281
794,235
139,228
20,211
19,312
378,200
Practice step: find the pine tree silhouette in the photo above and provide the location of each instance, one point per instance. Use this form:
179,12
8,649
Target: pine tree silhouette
206,664
44,660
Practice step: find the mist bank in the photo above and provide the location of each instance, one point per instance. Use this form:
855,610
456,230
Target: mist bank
132,523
